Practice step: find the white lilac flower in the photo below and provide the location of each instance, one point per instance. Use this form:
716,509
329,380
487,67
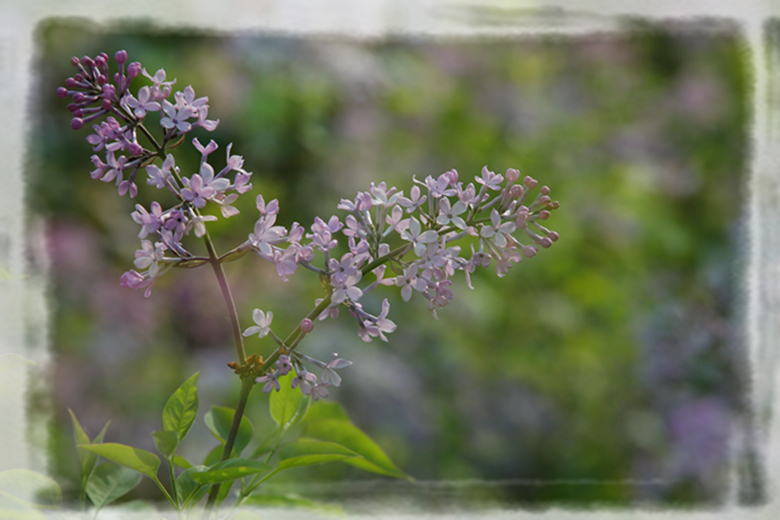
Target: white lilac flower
490,179
272,208
270,382
414,202
148,256
161,89
306,380
410,281
320,390
449,213
283,364
263,321
266,235
329,375
417,237
158,177
176,118
150,221
497,231
144,103
347,289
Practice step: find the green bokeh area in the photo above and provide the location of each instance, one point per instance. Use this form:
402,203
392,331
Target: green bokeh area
611,357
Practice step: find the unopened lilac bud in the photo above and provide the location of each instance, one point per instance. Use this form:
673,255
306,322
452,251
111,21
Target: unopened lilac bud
545,242
553,236
73,107
516,191
529,251
554,205
512,175
307,326
102,80
133,70
100,61
120,56
62,92
71,83
77,112
544,200
530,182
87,61
106,104
544,190
136,149
544,214
76,123
104,57
78,77
74,61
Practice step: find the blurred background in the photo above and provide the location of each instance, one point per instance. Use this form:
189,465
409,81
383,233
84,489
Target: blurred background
609,369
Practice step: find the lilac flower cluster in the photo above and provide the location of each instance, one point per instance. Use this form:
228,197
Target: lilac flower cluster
412,243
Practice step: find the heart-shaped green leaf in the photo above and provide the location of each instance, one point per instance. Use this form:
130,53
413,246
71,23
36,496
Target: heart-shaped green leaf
134,458
110,481
308,452
182,407
351,437
166,442
229,470
220,418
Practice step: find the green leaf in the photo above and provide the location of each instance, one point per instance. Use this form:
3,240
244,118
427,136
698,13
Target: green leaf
166,442
214,456
86,459
134,458
228,470
308,452
182,462
182,407
284,403
350,436
327,410
189,491
110,481
220,418
292,500
30,487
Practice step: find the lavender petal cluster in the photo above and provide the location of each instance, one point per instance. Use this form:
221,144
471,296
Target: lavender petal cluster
414,243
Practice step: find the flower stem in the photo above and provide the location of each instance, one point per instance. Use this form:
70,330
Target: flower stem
216,264
246,387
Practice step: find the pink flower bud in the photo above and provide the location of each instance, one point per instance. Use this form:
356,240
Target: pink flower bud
544,190
76,123
516,191
62,92
512,175
307,326
544,199
106,104
87,61
136,149
78,77
553,236
78,97
100,61
544,214
530,182
104,57
545,242
120,56
102,80
529,251
133,70
74,61
70,83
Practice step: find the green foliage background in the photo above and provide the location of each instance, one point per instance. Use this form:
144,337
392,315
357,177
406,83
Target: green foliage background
614,355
